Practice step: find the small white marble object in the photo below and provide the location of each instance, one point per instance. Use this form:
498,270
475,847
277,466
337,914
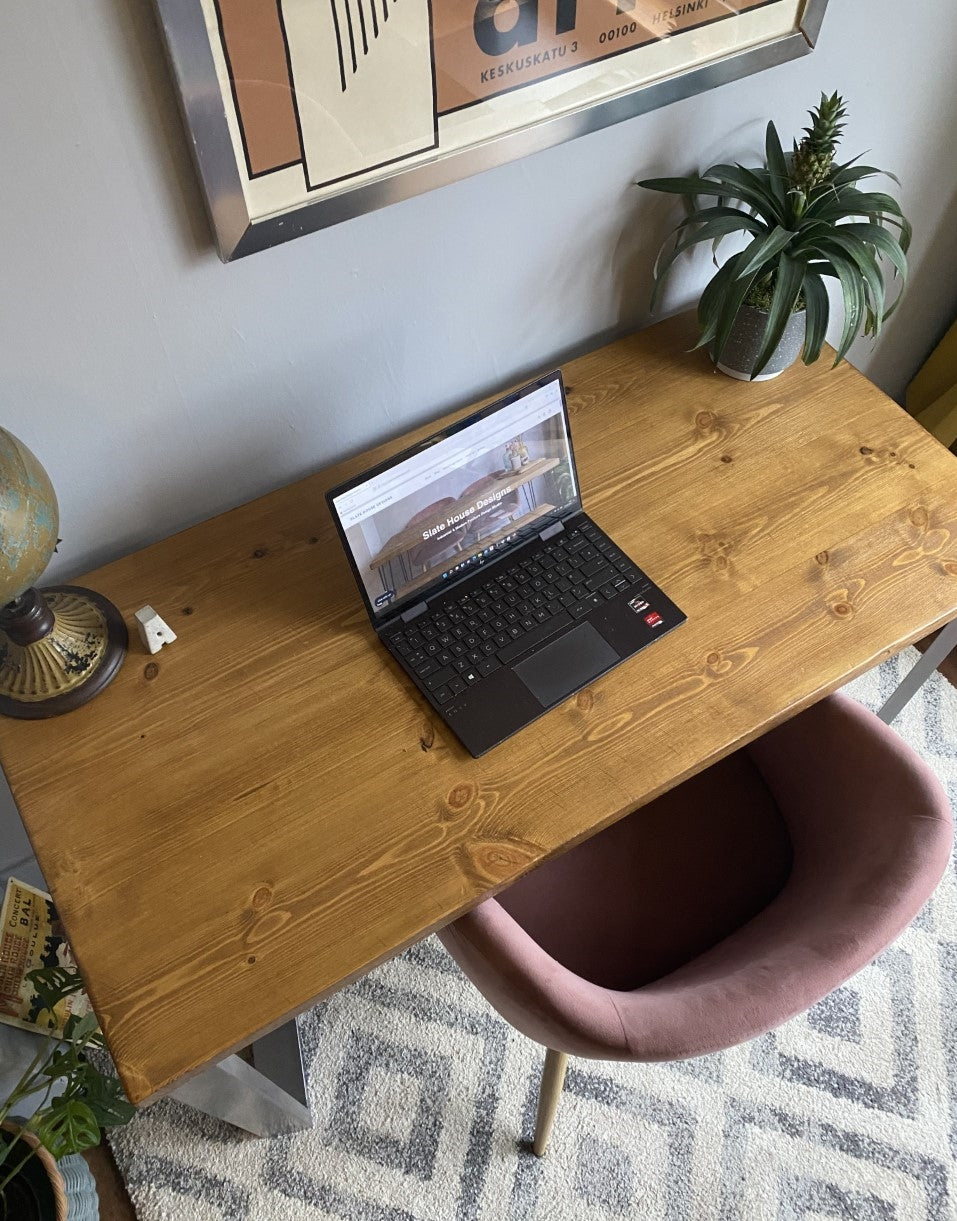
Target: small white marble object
154,631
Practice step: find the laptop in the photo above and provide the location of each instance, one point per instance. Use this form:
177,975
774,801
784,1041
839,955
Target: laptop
483,575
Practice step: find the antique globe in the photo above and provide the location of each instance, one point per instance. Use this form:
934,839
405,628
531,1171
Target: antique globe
58,646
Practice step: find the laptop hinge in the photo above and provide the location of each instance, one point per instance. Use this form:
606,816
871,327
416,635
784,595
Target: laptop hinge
550,531
413,612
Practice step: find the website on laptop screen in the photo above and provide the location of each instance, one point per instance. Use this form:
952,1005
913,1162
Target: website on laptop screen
452,505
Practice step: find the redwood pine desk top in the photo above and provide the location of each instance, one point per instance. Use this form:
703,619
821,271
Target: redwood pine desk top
267,808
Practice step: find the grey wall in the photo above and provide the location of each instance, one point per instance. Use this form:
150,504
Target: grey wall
159,386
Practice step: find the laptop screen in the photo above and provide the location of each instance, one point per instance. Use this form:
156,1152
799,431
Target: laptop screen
459,498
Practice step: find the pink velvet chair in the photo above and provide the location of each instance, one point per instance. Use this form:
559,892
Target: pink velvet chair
722,909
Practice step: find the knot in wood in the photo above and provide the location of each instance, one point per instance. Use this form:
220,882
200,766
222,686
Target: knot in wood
261,898
585,700
726,458
266,925
259,553
720,562
950,567
822,558
713,658
150,670
866,449
920,516
459,797
843,609
705,420
187,610
495,860
715,544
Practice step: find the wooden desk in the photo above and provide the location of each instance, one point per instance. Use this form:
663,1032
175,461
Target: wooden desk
267,809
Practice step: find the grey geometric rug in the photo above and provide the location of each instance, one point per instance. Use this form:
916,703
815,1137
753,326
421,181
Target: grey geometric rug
423,1097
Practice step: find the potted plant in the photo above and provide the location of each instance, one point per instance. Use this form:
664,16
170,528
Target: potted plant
806,220
76,1100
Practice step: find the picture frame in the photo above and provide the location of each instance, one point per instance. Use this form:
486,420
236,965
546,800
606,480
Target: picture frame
305,113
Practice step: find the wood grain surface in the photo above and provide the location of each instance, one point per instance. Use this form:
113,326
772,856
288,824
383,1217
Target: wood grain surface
267,809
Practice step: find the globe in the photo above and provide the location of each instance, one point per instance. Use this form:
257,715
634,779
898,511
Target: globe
58,646
28,518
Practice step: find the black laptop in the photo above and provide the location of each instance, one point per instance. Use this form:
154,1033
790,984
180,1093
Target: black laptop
484,577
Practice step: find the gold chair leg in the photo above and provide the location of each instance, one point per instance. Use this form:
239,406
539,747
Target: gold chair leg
553,1078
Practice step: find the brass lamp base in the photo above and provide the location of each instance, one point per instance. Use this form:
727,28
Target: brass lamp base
59,647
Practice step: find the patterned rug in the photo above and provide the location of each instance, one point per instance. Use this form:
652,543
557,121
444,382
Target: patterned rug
424,1099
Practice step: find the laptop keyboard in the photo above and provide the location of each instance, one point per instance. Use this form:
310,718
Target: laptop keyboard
546,587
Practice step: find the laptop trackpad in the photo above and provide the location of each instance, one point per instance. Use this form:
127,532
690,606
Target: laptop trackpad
566,664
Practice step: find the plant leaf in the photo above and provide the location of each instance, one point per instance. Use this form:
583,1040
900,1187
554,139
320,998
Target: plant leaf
777,166
869,268
854,305
863,203
752,188
787,286
764,250
818,311
721,222
885,243
701,215
852,204
729,300
61,1062
106,1100
692,185
53,984
720,226
709,304
851,172
68,1126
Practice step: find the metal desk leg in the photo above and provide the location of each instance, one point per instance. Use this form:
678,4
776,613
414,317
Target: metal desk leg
268,1099
919,673
278,1055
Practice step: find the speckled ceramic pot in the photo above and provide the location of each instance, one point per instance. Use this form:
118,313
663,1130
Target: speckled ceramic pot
744,344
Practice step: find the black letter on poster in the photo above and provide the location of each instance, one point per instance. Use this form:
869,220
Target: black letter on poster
566,16
494,41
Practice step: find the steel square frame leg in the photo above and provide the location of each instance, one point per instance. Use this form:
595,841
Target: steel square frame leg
266,1098
911,683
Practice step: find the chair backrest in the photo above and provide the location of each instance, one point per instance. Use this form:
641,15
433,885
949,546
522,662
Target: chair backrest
654,890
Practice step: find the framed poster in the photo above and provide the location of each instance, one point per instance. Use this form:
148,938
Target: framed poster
303,113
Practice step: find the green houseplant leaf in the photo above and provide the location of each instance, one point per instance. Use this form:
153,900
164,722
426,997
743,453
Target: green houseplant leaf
818,311
805,221
68,1126
788,281
77,1099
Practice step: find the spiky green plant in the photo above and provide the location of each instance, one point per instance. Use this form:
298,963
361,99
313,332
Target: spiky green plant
803,230
813,159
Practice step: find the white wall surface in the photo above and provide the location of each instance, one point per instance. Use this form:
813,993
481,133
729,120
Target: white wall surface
159,386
